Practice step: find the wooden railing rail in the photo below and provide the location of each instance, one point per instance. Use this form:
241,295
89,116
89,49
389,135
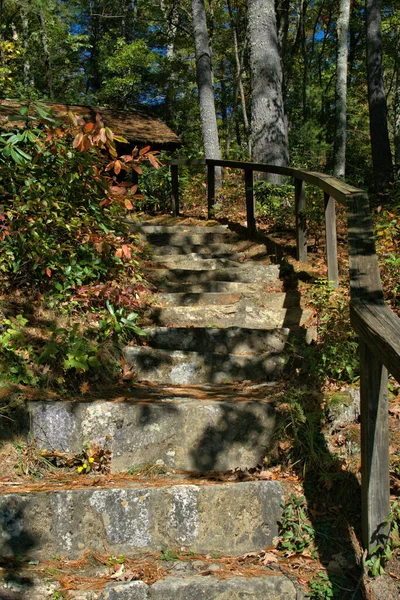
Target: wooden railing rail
377,326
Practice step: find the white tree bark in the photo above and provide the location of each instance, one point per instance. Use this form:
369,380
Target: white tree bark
268,125
204,81
339,164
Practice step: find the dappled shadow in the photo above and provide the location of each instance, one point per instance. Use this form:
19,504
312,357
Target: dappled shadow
15,545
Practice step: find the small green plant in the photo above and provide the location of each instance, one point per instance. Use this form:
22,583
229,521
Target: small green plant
115,560
383,552
296,533
120,323
321,588
168,554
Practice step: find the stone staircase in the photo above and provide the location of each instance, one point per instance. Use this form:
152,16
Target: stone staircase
204,401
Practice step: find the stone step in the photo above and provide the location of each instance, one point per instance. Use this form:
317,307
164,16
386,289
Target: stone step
178,580
192,430
244,273
196,262
276,300
229,287
135,517
241,314
230,340
182,367
274,587
189,238
216,250
149,228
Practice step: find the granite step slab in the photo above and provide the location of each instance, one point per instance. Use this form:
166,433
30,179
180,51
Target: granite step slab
214,517
185,433
230,340
182,367
229,287
216,250
244,273
187,584
241,314
276,300
148,228
190,238
195,262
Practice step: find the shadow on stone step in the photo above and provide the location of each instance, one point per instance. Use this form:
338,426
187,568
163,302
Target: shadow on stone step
15,541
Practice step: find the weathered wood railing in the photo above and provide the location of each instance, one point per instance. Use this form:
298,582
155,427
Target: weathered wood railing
378,328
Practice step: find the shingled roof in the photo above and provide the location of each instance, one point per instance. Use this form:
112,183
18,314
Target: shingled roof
134,125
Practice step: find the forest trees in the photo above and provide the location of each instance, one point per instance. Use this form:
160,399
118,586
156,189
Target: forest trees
279,66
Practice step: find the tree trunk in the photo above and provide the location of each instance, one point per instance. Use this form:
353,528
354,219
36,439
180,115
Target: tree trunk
268,125
397,126
28,81
204,82
47,56
339,160
381,155
239,59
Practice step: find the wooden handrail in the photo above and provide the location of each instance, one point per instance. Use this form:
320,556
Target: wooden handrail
377,326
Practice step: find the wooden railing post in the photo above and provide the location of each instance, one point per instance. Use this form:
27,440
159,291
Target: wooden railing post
175,190
375,485
331,241
300,212
250,204
210,189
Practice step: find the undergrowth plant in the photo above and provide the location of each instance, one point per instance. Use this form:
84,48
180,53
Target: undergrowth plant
64,247
383,552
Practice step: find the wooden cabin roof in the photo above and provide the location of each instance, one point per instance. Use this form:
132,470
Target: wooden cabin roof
134,125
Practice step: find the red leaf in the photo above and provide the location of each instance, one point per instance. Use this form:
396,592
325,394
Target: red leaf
128,204
119,253
153,161
127,251
117,167
48,271
144,150
88,127
77,141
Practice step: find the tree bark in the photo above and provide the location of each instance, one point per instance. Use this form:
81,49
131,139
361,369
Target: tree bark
397,126
268,125
28,81
204,82
47,55
339,161
239,59
381,154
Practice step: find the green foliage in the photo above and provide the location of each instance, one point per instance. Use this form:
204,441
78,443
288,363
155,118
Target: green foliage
52,220
335,353
321,588
274,202
168,554
119,323
296,533
155,187
383,552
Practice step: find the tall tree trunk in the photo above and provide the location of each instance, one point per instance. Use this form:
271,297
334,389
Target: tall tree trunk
204,81
397,126
239,59
28,80
47,55
267,112
339,160
381,155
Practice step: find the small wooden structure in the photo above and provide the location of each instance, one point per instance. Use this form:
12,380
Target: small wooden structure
137,126
378,328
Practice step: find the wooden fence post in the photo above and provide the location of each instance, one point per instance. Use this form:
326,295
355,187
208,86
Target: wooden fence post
210,189
250,205
300,212
331,240
375,484
175,190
